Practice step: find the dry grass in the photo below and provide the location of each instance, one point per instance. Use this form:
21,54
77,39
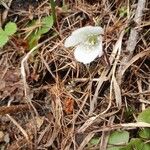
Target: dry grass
63,103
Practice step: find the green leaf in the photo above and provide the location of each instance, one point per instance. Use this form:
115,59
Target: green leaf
3,38
119,138
53,10
144,116
47,23
137,144
10,28
145,133
33,40
123,11
114,148
94,141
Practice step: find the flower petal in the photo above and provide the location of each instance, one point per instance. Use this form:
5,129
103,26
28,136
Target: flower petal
86,54
88,30
74,40
81,35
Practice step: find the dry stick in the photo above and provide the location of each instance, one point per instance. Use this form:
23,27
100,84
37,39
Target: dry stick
86,141
57,113
19,127
139,84
126,126
93,119
81,107
132,41
134,59
23,72
102,79
5,13
105,135
13,109
114,83
106,74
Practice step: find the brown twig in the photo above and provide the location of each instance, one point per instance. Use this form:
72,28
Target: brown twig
5,13
14,109
126,126
132,41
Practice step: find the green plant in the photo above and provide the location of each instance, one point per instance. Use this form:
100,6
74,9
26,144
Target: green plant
123,11
37,28
40,27
9,29
53,5
136,144
93,142
118,138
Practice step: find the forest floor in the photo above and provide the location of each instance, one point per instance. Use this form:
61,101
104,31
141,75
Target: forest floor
48,100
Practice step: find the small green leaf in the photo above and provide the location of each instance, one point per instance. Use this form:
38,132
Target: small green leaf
33,40
47,23
123,11
53,10
137,144
144,116
3,38
10,28
119,138
94,141
145,133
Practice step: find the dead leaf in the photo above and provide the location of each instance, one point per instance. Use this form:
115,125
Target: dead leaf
39,121
117,92
68,105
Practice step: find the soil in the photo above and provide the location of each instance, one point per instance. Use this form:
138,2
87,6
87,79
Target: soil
49,100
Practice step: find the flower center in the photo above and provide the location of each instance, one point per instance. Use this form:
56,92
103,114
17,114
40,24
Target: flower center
92,40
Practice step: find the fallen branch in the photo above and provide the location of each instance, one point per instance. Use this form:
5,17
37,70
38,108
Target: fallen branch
127,126
15,109
133,38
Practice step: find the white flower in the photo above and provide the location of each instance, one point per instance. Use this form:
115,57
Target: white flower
88,43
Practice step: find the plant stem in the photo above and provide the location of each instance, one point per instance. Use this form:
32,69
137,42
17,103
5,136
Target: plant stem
53,5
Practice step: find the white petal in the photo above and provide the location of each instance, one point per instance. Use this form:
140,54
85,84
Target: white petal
87,54
74,40
80,35
89,30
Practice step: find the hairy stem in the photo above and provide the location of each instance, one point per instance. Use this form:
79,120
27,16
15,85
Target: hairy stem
53,5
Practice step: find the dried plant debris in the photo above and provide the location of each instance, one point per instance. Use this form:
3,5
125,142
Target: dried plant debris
10,85
23,4
50,98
